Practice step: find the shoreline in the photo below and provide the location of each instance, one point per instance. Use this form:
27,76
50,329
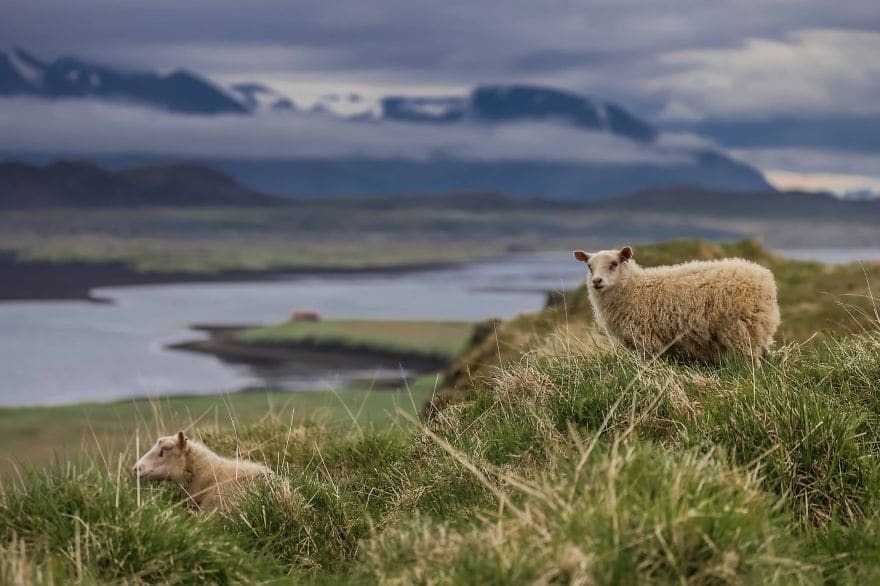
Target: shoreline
222,343
75,281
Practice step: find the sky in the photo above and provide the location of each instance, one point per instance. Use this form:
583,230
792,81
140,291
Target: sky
792,87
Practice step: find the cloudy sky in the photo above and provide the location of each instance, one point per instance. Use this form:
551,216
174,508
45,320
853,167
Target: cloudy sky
791,86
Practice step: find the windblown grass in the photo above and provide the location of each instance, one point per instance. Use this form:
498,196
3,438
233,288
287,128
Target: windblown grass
816,301
38,436
564,467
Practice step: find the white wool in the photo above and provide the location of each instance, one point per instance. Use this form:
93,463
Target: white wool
699,310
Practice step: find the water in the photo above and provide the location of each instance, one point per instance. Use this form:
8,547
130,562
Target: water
68,352
832,255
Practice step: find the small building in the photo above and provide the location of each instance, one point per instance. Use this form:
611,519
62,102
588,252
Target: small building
305,316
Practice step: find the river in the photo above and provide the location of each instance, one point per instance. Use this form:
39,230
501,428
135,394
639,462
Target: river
55,352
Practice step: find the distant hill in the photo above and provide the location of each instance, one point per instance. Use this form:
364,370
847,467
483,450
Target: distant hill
82,184
794,205
365,177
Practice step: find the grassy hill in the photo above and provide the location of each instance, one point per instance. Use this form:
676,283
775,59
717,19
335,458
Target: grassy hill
565,461
816,300
222,234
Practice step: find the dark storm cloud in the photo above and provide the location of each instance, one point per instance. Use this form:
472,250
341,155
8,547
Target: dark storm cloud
553,60
677,62
460,40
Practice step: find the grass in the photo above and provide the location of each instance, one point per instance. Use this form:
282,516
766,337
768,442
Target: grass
431,338
207,255
565,467
37,436
815,300
377,232
567,461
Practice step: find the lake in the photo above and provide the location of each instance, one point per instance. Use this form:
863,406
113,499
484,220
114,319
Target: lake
66,352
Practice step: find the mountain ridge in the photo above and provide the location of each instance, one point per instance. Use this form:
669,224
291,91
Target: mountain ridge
22,74
347,174
83,184
77,183
184,92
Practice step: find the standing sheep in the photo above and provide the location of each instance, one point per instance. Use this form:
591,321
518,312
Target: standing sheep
207,480
698,310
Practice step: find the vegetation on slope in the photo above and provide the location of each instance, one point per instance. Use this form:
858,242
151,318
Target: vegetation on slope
568,462
569,467
430,338
815,300
308,234
39,436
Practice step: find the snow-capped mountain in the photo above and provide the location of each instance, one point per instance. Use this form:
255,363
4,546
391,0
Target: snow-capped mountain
443,110
517,139
22,74
257,96
520,103
348,106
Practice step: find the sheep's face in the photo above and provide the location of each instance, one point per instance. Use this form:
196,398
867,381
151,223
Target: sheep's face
165,461
607,267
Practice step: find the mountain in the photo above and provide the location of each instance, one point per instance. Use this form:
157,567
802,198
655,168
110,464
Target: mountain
535,174
365,177
22,74
83,184
443,110
257,96
534,103
503,104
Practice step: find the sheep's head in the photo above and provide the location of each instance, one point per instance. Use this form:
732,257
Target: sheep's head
164,461
607,267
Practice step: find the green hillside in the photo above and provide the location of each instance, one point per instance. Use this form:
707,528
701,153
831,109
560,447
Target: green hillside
561,461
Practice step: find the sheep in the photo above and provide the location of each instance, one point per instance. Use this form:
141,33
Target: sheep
697,311
206,480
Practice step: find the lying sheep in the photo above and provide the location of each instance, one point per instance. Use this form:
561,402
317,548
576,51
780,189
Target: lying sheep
699,310
207,480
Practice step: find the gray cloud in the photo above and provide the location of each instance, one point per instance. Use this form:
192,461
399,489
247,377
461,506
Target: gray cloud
679,61
805,160
456,42
86,128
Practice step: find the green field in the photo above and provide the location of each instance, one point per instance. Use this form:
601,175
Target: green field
430,338
37,436
379,232
556,460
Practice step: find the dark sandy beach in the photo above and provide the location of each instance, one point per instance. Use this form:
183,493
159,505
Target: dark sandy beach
42,280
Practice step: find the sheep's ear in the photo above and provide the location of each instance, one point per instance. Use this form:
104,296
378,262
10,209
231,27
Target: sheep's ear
181,439
581,256
626,253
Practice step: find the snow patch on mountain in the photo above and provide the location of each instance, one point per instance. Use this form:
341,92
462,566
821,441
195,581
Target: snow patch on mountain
26,68
259,97
347,105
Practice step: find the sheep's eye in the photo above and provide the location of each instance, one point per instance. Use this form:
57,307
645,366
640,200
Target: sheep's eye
613,266
161,452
